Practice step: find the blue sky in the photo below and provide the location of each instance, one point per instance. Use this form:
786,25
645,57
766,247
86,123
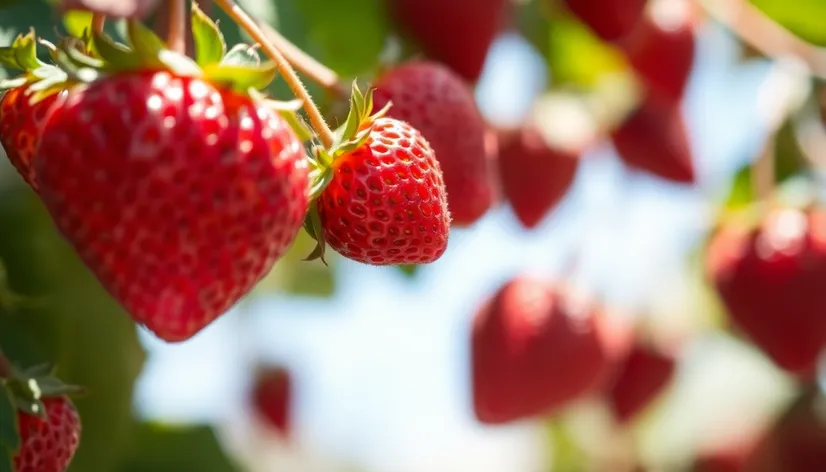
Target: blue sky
381,367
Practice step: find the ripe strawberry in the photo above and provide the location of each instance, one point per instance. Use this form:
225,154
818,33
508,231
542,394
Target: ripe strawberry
769,279
654,139
534,176
177,194
387,203
535,348
21,125
608,19
661,49
434,100
454,32
642,376
48,445
271,398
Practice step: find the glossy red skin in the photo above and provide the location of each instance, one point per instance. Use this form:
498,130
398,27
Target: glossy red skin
533,351
610,20
775,296
455,32
271,398
387,202
534,177
654,139
178,196
662,58
21,125
438,103
48,445
641,377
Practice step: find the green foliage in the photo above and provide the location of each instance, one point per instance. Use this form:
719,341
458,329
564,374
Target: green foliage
803,17
578,57
159,448
9,437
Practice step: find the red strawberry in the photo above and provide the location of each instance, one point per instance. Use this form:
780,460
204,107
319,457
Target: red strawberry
177,194
434,100
48,445
455,32
770,278
271,398
21,125
535,348
387,203
534,176
661,49
641,377
608,19
654,138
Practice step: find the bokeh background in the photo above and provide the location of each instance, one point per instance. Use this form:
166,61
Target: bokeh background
380,357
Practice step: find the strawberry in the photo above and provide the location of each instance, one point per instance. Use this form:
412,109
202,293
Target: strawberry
454,32
179,194
48,445
654,138
641,377
608,19
536,347
271,398
661,49
769,279
534,175
434,100
386,203
21,125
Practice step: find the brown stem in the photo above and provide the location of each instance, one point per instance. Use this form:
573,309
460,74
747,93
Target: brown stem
97,23
5,366
313,113
176,36
764,34
304,63
763,172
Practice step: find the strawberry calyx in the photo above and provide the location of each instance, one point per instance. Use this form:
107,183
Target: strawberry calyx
239,68
28,388
348,137
42,79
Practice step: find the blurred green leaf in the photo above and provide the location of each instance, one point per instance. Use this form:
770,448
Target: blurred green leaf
77,326
567,455
77,21
157,448
803,17
577,57
409,270
18,17
9,436
741,193
348,35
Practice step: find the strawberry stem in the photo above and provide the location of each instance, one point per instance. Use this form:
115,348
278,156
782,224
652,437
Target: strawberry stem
763,172
306,64
320,126
176,36
97,23
764,34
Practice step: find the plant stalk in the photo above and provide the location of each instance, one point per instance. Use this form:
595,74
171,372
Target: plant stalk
249,25
176,36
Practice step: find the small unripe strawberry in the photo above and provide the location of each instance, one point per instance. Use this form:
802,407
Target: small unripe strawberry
48,445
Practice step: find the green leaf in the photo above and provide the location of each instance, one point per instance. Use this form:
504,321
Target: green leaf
242,78
741,194
9,436
145,42
803,17
567,454
159,448
25,51
576,56
346,36
77,22
409,270
6,461
789,159
209,41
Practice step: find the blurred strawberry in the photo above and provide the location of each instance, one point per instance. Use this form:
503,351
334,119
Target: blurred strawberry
770,279
438,103
608,19
534,175
455,32
271,398
654,138
643,375
661,48
536,347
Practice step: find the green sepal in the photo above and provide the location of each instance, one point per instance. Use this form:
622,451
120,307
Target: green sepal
25,51
210,46
289,112
408,270
312,224
113,55
29,387
242,54
359,124
241,78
